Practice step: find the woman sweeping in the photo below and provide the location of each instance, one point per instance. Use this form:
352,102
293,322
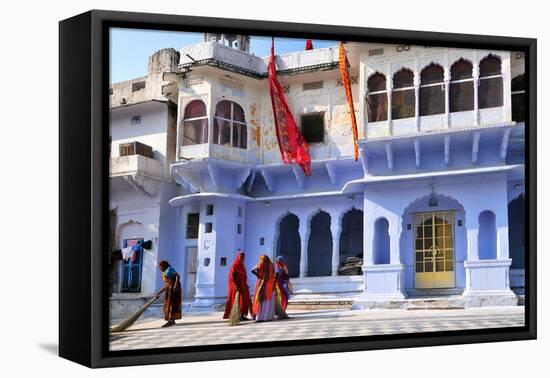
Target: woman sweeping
263,306
238,284
284,287
172,294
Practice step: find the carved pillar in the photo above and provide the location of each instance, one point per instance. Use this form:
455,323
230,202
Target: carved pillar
476,96
335,230
389,88
447,103
417,104
303,250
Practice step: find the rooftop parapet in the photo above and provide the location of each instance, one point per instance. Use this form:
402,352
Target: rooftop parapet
214,53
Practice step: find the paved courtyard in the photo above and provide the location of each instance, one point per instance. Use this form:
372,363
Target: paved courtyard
210,328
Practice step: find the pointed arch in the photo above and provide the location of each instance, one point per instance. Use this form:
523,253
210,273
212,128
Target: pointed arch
351,234
288,242
319,246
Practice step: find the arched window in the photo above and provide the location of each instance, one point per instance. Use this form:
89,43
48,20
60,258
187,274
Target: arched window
518,98
319,246
288,243
195,123
229,125
402,97
487,236
461,97
377,98
490,82
432,90
381,247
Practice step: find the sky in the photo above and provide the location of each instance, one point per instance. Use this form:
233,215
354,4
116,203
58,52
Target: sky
130,48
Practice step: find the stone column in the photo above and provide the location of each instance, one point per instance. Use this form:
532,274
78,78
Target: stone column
473,253
393,230
304,236
417,102
389,88
476,96
335,230
447,103
501,223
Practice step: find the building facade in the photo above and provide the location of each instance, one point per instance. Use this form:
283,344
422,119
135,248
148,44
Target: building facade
433,207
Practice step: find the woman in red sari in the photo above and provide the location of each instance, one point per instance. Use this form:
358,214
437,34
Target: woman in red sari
238,284
263,306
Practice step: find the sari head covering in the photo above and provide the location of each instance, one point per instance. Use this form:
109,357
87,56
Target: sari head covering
265,285
237,280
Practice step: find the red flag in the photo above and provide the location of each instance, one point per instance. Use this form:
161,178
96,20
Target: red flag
309,44
347,86
293,147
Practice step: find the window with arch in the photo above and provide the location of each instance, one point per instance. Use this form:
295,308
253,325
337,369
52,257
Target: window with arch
377,98
518,98
461,96
195,123
487,236
402,97
432,90
381,246
490,82
229,125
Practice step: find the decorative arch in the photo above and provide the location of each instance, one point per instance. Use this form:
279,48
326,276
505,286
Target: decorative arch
432,90
319,246
126,224
381,241
288,242
230,124
403,94
487,236
422,204
461,96
350,231
490,90
195,123
377,97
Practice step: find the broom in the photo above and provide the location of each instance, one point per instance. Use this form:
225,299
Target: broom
235,314
135,316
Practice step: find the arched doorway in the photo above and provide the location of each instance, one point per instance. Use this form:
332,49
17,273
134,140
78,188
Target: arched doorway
516,232
351,236
433,243
288,243
319,248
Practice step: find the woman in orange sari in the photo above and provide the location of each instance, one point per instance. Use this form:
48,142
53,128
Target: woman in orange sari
171,305
263,306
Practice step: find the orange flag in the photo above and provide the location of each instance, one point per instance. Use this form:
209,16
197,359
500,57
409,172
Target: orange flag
344,64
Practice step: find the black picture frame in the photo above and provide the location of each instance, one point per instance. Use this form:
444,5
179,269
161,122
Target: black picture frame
83,180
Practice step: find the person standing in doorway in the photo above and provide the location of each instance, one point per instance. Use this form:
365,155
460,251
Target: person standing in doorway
238,283
172,294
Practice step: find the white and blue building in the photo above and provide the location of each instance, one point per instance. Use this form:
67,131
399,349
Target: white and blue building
434,206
